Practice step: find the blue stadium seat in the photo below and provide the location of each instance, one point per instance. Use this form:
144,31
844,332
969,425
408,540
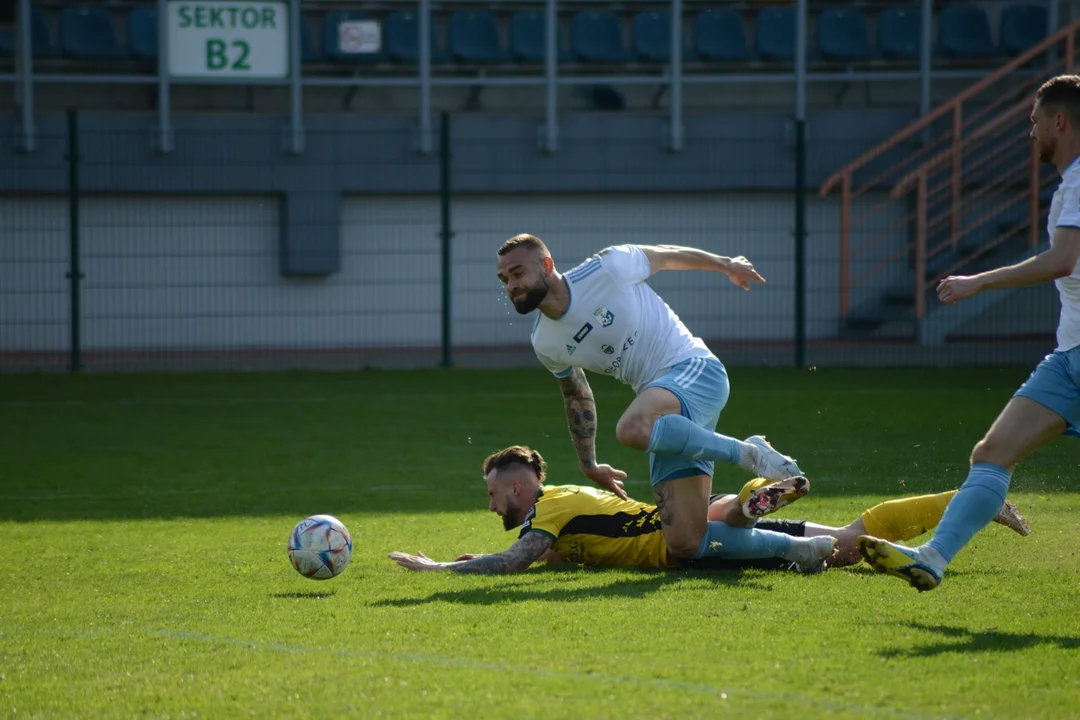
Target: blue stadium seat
964,31
88,32
39,35
652,37
899,32
1022,26
595,36
842,35
143,33
527,35
719,36
400,36
474,37
774,33
308,51
332,40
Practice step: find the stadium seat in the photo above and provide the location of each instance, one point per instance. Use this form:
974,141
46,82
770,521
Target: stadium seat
143,33
899,32
652,37
400,36
719,36
474,37
964,31
842,35
527,37
332,39
774,33
308,51
595,36
1022,26
39,30
88,32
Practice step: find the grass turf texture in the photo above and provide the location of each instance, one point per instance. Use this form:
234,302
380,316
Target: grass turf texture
145,517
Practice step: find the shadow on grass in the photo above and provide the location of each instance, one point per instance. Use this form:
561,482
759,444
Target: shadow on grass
641,584
968,641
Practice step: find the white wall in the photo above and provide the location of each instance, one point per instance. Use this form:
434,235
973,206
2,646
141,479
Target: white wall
202,272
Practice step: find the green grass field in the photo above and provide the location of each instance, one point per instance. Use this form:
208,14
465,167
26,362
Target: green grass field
145,517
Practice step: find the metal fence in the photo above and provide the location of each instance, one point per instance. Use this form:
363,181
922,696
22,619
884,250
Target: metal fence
179,270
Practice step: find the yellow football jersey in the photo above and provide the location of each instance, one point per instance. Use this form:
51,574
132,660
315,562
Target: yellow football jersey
594,527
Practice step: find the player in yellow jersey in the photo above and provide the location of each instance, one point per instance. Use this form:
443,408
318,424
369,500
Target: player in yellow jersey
593,527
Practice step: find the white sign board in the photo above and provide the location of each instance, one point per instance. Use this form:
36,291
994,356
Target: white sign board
226,39
359,37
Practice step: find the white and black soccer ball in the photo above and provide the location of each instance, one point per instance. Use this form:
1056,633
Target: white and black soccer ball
320,547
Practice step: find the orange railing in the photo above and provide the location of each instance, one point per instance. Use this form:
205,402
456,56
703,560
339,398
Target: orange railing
942,171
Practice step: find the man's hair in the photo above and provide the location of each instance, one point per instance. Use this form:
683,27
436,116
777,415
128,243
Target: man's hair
1061,94
524,240
516,455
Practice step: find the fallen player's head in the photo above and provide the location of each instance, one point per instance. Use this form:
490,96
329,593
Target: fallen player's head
525,269
514,476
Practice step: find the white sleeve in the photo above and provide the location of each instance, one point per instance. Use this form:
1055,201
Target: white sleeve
1070,203
627,264
557,369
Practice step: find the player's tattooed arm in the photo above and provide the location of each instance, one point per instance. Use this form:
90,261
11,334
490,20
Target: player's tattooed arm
580,415
520,556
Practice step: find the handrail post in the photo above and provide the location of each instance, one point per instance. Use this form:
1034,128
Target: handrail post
920,245
1033,201
845,244
956,188
424,71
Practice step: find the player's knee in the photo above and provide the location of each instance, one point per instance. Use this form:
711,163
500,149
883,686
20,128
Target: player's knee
990,450
683,545
634,431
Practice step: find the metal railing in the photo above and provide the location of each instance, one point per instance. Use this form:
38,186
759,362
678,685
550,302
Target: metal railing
674,75
953,201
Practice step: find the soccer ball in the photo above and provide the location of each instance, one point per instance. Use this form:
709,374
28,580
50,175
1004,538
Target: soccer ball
320,547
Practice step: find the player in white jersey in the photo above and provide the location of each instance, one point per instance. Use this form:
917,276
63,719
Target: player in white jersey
602,317
1048,403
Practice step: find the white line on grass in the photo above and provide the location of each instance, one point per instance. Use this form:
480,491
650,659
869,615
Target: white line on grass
529,671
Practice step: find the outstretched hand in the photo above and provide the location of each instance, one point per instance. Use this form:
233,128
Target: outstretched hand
956,288
608,478
415,562
741,272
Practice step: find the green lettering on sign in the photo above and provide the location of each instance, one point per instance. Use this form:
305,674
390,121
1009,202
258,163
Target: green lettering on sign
215,55
241,62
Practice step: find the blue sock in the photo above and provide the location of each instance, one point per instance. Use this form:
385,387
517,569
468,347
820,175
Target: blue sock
725,541
677,435
971,509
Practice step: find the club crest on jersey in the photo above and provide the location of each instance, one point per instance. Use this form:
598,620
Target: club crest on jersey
603,316
583,332
607,349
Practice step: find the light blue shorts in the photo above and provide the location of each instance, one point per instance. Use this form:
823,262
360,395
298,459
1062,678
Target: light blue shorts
1055,383
701,384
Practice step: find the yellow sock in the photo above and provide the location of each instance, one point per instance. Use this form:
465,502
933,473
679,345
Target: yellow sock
750,487
906,518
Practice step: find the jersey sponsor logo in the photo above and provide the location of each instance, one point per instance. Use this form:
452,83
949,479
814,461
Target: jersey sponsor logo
583,332
604,316
618,362
607,349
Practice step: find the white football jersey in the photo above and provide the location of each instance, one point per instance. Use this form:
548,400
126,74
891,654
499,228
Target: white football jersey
616,324
1065,212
